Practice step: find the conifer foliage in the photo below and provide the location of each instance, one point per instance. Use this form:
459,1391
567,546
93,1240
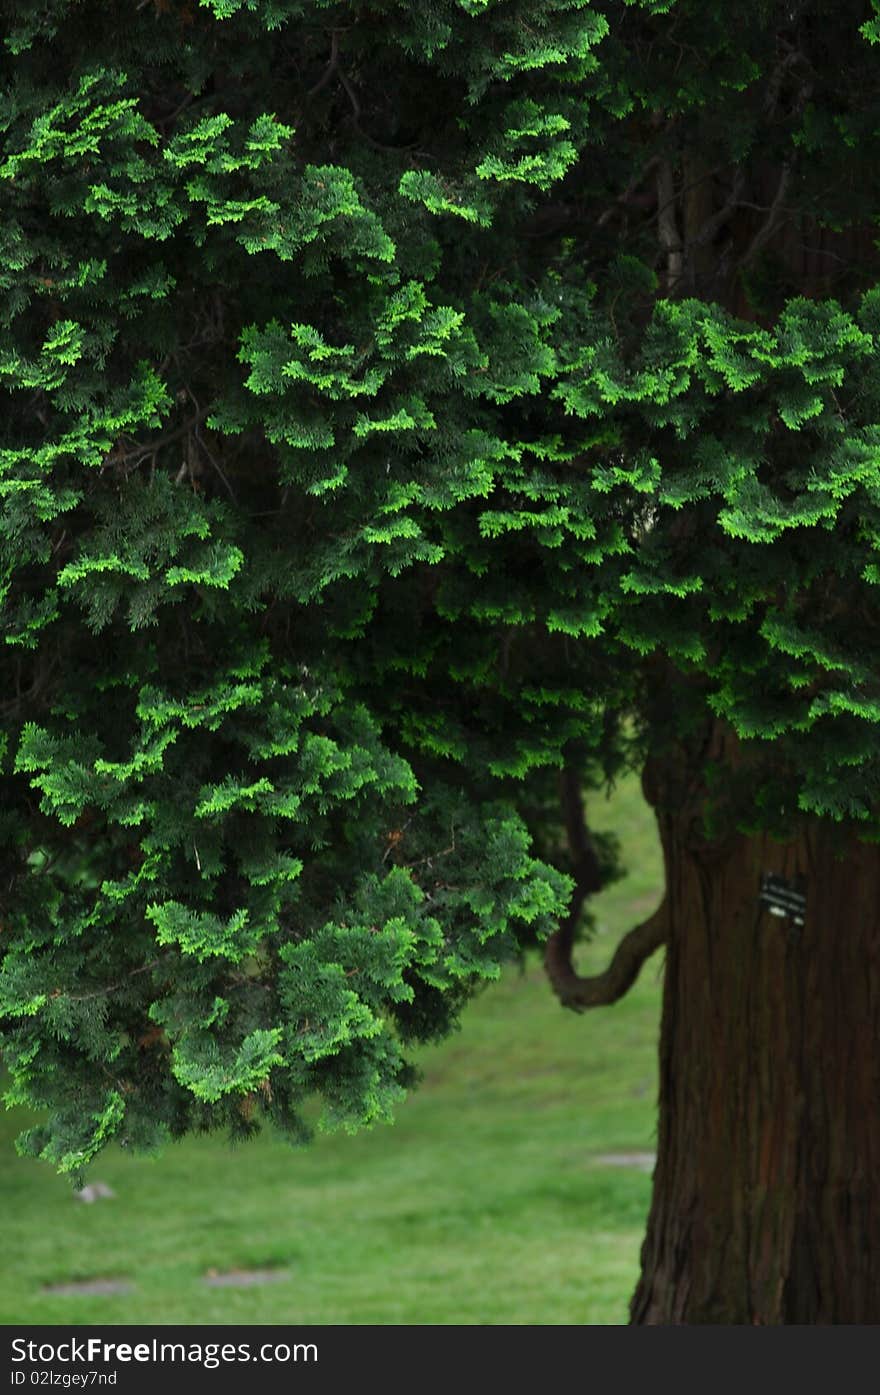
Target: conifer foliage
379,403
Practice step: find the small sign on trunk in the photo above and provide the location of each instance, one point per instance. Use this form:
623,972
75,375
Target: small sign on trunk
784,898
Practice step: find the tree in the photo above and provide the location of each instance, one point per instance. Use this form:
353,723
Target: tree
414,414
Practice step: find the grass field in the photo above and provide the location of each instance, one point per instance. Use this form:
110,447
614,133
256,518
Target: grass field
486,1201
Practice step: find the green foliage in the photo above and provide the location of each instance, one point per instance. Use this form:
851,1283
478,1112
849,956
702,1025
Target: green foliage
380,1228
359,455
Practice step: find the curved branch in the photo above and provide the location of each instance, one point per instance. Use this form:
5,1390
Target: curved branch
598,990
331,68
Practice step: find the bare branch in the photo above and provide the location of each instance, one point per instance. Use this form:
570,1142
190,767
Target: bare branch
200,440
777,76
229,490
110,987
598,990
638,178
394,837
572,990
667,225
431,858
143,451
335,69
331,67
777,207
715,223
687,187
351,95
771,222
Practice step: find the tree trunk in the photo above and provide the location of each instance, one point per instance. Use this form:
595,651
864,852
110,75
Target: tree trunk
766,1205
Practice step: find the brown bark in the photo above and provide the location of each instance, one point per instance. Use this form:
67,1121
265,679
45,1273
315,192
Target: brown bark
766,1205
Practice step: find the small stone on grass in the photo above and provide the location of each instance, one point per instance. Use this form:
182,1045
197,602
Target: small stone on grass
643,1161
85,1287
244,1278
95,1191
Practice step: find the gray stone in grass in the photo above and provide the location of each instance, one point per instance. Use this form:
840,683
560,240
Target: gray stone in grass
95,1191
244,1278
643,1161
85,1287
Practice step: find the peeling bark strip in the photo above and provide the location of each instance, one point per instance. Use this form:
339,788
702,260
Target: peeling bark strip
765,1206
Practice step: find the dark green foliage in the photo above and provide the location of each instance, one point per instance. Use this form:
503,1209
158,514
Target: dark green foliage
359,448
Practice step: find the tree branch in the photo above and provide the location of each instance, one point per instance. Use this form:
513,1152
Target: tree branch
638,178
716,221
598,990
331,67
777,77
572,990
777,207
771,222
142,452
667,226
335,69
109,987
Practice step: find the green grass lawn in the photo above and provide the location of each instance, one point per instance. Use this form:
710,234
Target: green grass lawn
484,1203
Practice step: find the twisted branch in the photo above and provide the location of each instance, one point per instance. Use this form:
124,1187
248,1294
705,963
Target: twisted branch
598,990
573,990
